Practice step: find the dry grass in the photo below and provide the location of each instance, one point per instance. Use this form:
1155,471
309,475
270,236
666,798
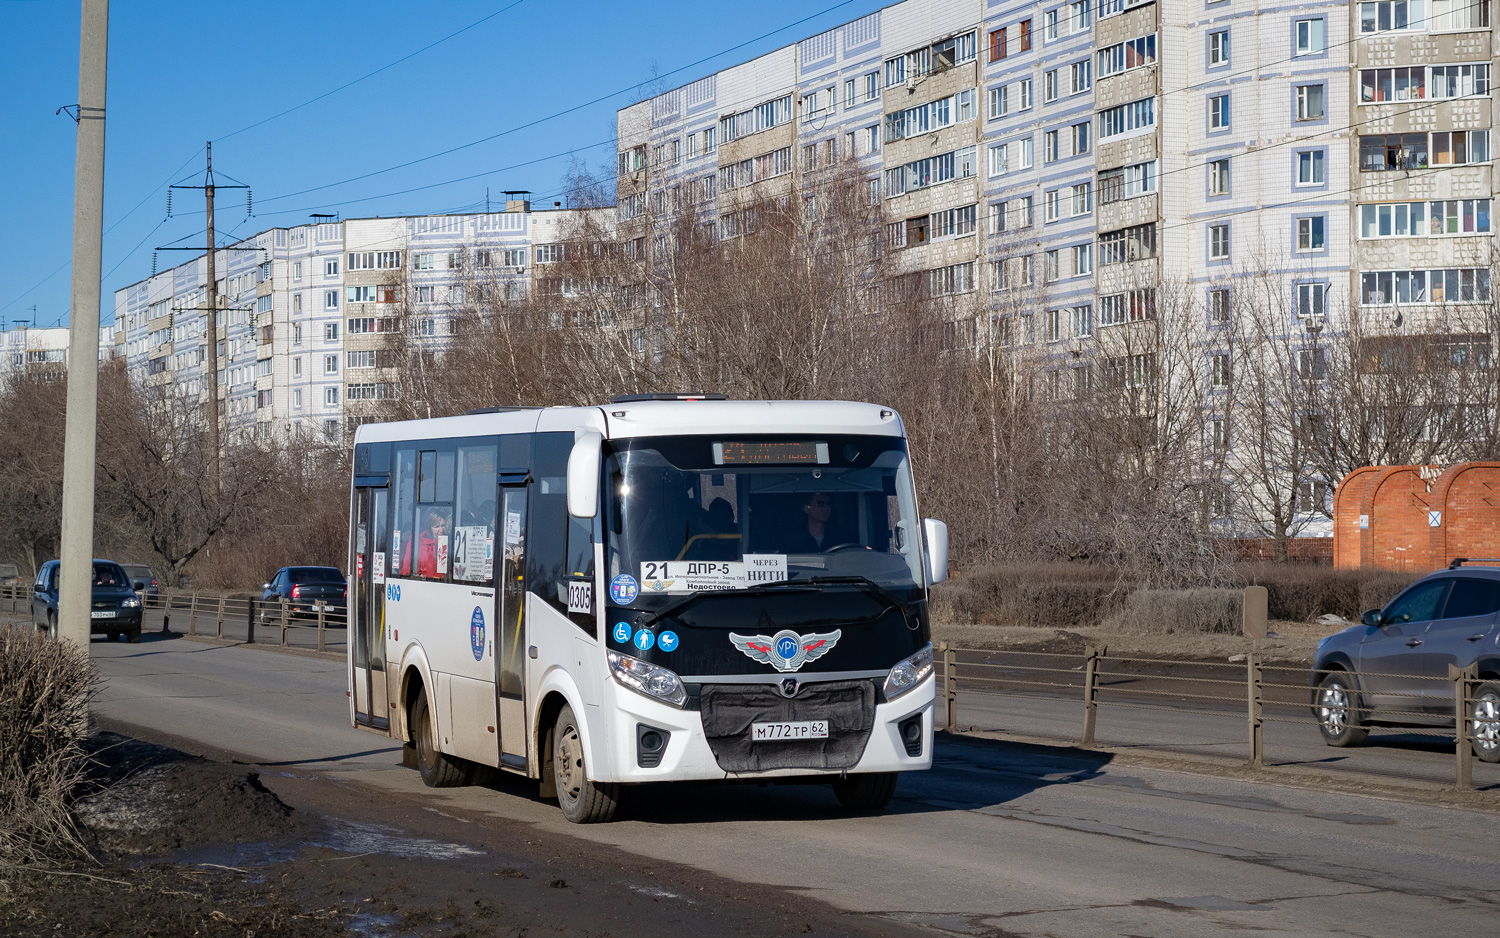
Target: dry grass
45,689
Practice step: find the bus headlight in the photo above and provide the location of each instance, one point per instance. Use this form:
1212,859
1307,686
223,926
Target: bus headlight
909,673
649,679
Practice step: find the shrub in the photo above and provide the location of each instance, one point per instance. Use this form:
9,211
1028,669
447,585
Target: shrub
1302,592
1055,595
1216,611
45,689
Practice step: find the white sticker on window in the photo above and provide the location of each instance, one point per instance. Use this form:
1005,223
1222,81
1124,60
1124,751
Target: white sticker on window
469,551
512,527
580,596
691,576
378,573
489,557
765,568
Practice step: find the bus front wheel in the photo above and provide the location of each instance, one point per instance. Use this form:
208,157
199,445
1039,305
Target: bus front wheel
582,801
438,769
865,792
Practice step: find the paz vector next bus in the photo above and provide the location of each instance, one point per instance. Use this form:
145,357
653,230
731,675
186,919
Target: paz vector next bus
664,588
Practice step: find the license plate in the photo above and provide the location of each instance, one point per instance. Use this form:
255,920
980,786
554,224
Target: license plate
807,729
106,614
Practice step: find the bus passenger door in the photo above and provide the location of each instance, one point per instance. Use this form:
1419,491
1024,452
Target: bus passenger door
367,609
510,598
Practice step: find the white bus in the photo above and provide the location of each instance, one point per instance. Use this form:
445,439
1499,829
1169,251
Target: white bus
667,587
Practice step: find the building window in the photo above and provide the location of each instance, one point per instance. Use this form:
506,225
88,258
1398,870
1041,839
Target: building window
1308,35
1127,182
1128,244
872,91
999,101
1081,138
331,397
1049,85
1127,118
1009,157
1080,76
1310,297
1450,285
1218,112
330,364
1312,364
1389,152
1310,168
1378,85
1310,104
1218,177
1218,307
296,270
1460,147
1023,36
1218,242
330,332
1083,260
331,298
296,398
849,95
330,268
1050,260
1049,147
1218,48
1218,370
1310,234
1083,198
1123,56
1083,321
1131,306
1052,324
997,44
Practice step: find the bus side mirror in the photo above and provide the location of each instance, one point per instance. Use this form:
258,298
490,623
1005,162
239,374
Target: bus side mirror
583,475
935,534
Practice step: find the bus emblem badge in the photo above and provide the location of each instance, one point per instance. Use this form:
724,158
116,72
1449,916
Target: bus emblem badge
789,687
786,650
476,633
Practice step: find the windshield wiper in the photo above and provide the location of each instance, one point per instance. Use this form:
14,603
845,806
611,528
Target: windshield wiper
864,583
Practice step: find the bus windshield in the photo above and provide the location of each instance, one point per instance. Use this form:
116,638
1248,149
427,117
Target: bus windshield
698,514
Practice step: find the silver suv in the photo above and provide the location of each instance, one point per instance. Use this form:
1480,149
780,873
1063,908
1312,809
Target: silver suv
1392,668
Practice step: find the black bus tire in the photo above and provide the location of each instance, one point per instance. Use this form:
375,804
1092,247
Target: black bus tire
870,791
582,801
438,769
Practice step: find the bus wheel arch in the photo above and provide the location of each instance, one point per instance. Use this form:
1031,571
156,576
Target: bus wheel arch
546,726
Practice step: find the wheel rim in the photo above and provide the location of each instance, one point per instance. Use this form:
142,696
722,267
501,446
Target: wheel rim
1485,714
569,764
1333,708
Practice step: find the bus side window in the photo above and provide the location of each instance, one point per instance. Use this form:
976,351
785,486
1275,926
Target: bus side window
403,513
474,526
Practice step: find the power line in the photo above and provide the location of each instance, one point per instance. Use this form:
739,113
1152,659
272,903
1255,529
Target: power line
389,65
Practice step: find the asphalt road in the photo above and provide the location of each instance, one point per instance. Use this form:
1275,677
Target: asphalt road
996,840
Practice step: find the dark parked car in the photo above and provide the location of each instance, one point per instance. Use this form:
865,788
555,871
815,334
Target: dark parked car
303,588
114,609
142,580
10,575
1392,668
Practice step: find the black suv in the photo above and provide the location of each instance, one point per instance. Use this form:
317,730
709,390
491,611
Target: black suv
1392,668
303,588
114,609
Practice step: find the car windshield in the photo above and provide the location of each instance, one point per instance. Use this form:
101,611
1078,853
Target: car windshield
108,574
316,575
9,570
696,514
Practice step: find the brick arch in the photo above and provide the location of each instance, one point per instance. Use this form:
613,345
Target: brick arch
1468,494
1348,504
1397,538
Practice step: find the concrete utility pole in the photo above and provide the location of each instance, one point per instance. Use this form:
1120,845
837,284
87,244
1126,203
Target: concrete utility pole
76,589
212,296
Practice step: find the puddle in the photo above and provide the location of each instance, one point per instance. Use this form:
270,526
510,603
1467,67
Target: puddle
350,837
372,925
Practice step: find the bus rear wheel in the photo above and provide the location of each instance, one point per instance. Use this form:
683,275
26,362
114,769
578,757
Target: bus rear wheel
438,770
582,801
865,792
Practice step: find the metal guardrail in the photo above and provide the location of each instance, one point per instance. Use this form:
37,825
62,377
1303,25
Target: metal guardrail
216,614
1097,682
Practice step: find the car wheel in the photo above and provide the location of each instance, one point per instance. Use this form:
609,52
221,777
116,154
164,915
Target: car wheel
582,801
1336,710
134,636
52,624
438,769
869,791
1484,722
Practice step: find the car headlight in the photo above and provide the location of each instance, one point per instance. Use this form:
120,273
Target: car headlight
647,678
130,603
909,673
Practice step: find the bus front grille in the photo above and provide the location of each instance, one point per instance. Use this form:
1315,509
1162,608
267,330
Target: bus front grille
729,709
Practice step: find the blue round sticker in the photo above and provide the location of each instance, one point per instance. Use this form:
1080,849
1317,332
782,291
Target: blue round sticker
667,641
787,648
644,639
622,632
476,633
623,588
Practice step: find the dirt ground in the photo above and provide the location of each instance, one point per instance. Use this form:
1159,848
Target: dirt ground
1288,642
185,846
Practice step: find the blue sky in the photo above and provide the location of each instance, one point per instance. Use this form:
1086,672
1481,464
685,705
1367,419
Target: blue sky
182,73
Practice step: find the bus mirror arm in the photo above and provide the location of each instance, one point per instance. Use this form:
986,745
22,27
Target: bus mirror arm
935,537
583,475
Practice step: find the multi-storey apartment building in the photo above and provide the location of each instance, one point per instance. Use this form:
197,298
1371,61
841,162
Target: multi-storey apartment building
321,325
1068,165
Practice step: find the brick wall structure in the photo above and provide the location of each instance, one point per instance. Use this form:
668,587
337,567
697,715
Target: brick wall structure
1410,518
